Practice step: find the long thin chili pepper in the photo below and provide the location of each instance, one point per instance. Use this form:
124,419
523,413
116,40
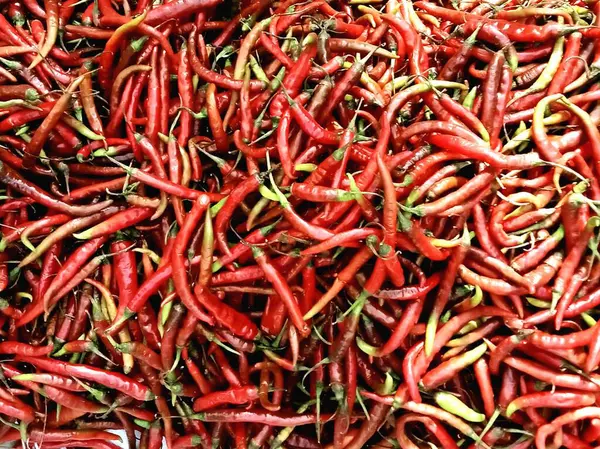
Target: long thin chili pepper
112,380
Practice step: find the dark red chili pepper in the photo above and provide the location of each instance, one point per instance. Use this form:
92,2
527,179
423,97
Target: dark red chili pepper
11,178
170,331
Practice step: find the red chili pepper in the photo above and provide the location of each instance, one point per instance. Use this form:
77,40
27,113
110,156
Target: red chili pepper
167,344
109,379
15,347
112,45
481,153
11,178
214,119
282,289
516,32
177,260
237,395
141,352
116,223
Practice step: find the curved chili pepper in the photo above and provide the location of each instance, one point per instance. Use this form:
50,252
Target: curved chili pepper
112,380
238,395
179,273
283,290
11,178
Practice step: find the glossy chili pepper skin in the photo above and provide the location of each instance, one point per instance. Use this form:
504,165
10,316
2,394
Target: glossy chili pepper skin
115,380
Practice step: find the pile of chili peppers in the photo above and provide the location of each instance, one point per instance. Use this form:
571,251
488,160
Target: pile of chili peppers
290,224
